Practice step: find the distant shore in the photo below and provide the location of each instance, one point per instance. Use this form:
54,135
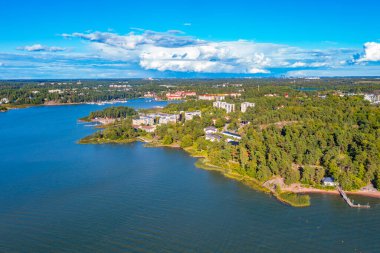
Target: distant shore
53,103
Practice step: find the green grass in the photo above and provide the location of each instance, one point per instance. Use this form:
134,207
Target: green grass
294,199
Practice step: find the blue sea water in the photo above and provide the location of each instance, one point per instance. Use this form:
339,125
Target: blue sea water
59,196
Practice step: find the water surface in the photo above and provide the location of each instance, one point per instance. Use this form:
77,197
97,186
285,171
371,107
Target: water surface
58,196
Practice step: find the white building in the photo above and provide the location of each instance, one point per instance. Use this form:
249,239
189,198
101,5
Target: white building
212,97
246,105
210,130
4,101
213,137
329,181
374,99
224,105
168,118
191,115
143,120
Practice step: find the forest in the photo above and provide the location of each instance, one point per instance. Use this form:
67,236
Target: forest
114,112
37,92
301,138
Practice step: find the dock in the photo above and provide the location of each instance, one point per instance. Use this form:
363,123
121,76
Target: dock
348,201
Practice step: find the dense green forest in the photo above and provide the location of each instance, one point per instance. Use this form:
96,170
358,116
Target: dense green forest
35,92
113,112
302,138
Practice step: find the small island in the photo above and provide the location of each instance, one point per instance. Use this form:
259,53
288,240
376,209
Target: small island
285,146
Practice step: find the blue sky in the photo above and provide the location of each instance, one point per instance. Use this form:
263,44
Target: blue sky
100,39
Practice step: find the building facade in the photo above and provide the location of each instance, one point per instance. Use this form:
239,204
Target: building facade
246,105
224,105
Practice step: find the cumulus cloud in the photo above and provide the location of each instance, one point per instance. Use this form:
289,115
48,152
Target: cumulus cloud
371,53
173,51
40,48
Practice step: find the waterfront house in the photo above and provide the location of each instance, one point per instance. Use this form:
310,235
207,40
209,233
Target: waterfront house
329,181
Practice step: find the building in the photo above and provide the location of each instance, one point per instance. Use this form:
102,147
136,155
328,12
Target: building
191,115
210,130
232,135
178,95
373,98
189,93
213,137
329,181
143,120
4,101
148,129
168,118
245,106
224,105
212,97
173,97
150,95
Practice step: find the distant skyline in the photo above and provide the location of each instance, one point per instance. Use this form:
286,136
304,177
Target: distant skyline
130,39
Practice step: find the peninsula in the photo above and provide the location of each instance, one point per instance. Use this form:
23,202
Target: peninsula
286,144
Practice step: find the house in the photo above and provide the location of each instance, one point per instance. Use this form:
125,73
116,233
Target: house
213,137
329,181
210,130
191,115
245,106
224,105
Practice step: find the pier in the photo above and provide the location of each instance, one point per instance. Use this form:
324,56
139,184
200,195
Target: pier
348,201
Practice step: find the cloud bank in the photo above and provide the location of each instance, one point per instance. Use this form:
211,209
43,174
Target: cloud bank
40,48
143,53
171,51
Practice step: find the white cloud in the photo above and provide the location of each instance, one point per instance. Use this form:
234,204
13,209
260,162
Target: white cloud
187,24
164,54
40,48
172,51
371,52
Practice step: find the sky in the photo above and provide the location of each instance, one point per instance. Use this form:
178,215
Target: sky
188,39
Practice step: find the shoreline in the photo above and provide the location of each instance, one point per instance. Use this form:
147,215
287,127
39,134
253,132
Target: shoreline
335,192
287,195
24,106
